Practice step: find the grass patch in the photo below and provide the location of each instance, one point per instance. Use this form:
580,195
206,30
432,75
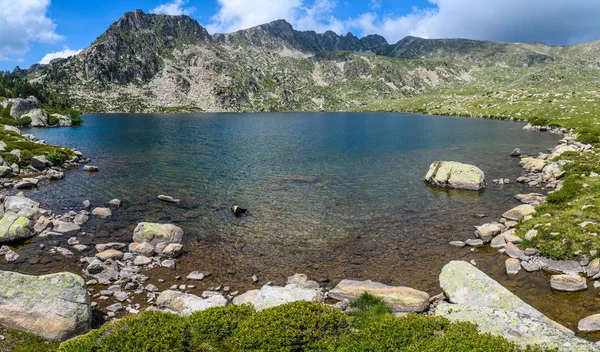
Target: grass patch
19,341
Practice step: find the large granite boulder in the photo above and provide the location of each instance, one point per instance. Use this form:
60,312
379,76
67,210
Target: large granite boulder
17,203
480,300
21,107
56,306
39,118
185,303
40,162
517,327
157,233
465,284
519,212
399,298
14,227
451,174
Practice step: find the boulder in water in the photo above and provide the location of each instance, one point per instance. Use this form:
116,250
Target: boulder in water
451,174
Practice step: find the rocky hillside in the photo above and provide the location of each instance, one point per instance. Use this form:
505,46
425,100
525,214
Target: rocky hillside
146,63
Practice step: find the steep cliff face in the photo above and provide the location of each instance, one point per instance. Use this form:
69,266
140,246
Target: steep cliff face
147,62
133,47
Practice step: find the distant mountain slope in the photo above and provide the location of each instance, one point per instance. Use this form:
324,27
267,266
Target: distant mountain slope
149,62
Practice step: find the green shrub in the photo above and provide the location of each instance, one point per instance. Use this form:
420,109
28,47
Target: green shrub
26,156
148,332
217,324
538,121
57,158
20,341
368,308
53,120
290,327
5,112
8,121
9,158
588,138
571,188
24,121
76,119
417,333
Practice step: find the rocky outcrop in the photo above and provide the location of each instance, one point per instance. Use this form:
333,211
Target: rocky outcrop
478,299
451,174
21,107
39,118
56,306
399,298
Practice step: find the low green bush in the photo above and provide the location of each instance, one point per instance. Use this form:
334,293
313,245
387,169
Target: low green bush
57,158
26,156
367,309
53,120
588,138
217,324
9,158
538,121
291,327
8,121
20,341
571,188
76,119
24,121
417,333
5,112
149,332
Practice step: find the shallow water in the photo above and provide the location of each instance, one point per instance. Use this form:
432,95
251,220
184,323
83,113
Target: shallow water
332,195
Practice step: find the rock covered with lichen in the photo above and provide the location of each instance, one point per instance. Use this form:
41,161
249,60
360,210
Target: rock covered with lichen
56,307
451,174
475,297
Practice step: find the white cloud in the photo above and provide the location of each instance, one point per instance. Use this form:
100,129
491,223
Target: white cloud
23,22
59,55
556,21
174,8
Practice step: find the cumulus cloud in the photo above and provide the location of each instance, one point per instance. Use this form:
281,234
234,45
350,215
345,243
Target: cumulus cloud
555,22
23,22
59,55
174,8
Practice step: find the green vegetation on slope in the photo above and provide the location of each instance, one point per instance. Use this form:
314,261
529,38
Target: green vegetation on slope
298,326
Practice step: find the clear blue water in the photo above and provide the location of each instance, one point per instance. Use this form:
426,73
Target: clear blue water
365,212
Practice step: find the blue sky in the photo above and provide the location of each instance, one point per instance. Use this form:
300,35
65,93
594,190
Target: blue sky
39,30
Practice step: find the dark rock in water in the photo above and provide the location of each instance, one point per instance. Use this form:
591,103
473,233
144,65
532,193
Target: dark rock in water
90,168
238,211
516,152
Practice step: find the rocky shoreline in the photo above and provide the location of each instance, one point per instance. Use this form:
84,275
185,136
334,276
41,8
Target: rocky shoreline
117,274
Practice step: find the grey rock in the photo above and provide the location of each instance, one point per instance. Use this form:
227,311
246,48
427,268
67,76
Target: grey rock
21,107
144,248
115,203
168,199
452,174
399,298
156,233
568,283
56,307
195,275
141,260
102,213
40,162
518,327
589,324
474,242
186,304
271,296
458,244
90,168
302,281
513,266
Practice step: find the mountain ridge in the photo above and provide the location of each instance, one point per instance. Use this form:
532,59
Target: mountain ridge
147,62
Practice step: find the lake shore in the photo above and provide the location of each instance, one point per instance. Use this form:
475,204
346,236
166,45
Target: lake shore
156,263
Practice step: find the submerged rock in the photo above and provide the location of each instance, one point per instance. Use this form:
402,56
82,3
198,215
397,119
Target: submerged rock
168,199
102,213
455,175
56,307
154,233
568,283
399,298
